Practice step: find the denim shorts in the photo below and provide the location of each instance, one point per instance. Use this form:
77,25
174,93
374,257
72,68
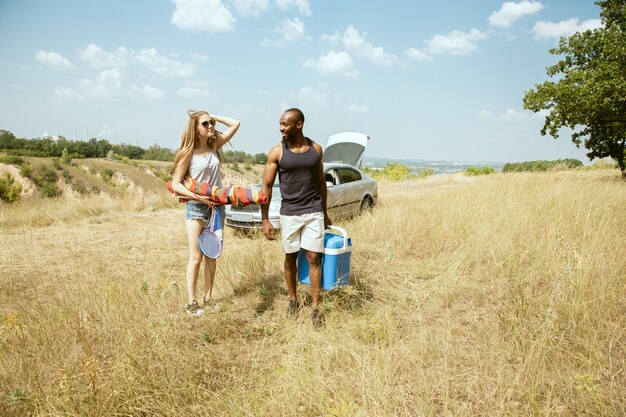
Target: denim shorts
200,211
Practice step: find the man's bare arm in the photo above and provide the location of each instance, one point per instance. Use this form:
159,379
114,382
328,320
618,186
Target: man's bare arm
269,176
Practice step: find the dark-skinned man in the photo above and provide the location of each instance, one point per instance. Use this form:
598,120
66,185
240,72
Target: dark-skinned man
303,216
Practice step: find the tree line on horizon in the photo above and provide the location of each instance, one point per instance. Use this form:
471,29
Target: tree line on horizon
100,148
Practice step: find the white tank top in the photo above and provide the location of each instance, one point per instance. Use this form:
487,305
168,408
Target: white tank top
206,168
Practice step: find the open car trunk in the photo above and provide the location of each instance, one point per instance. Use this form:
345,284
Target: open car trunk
346,148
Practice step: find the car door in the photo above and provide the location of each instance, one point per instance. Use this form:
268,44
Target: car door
334,195
351,190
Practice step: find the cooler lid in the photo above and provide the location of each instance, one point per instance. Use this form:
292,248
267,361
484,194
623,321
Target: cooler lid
334,241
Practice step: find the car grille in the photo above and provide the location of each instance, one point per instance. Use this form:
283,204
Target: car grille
252,208
244,225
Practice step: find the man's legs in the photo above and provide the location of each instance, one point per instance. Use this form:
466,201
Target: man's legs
315,275
290,274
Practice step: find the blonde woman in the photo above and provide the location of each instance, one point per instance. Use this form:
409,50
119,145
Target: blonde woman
199,157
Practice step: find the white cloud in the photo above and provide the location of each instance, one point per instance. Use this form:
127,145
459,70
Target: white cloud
99,58
354,43
417,55
339,63
303,6
325,99
290,31
197,90
510,12
107,85
313,97
512,114
357,108
251,8
509,114
202,15
550,30
148,92
54,60
199,57
485,114
455,42
150,58
334,38
163,65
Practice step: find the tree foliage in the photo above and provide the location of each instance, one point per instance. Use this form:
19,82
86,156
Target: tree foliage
559,164
590,94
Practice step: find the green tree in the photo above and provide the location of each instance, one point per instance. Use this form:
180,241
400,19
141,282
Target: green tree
260,158
65,157
590,94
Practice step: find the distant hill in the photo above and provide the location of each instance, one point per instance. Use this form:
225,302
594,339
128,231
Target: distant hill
40,176
440,167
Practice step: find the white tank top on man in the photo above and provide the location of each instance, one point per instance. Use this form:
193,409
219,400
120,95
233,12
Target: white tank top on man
206,168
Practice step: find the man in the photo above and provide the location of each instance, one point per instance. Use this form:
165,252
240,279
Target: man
303,215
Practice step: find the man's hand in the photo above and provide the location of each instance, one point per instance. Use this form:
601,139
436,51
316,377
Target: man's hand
268,230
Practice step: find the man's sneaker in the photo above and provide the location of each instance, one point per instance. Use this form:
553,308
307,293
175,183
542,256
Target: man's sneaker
293,308
194,309
317,318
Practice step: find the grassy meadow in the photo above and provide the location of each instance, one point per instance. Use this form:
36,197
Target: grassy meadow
498,295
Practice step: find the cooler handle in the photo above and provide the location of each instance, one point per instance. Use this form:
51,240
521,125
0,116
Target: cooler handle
343,232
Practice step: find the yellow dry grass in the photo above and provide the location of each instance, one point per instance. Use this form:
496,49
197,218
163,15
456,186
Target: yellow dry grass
490,296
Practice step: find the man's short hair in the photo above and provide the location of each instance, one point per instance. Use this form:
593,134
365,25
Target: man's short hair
297,113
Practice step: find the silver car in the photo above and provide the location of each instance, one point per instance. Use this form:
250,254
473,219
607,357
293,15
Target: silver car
349,190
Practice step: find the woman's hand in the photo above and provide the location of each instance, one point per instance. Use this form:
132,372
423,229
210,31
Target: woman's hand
208,200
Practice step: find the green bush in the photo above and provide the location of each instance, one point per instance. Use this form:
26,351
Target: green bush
106,174
486,170
394,172
559,164
26,170
49,189
65,157
56,163
247,167
425,172
66,176
11,160
9,189
44,174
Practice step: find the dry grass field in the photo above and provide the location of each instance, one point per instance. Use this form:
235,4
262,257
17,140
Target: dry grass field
500,295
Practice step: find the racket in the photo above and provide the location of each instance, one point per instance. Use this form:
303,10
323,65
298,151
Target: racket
210,239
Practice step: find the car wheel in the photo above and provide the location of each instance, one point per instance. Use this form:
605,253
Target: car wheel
366,205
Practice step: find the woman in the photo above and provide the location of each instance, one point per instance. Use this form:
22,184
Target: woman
198,157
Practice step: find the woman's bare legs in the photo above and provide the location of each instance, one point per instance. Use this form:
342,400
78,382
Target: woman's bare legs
194,227
210,265
209,275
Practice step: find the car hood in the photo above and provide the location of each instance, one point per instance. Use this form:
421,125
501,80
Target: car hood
346,148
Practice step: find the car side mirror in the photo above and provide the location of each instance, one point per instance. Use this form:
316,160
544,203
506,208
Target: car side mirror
329,184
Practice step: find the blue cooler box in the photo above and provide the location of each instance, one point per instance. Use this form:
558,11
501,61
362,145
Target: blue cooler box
335,261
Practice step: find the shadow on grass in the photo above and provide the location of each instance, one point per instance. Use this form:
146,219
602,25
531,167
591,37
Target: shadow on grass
268,287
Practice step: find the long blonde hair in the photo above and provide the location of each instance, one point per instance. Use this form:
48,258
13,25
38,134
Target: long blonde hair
189,138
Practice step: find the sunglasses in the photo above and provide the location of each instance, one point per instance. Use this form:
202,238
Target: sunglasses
208,122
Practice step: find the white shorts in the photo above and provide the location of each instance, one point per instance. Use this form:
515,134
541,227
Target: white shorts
304,231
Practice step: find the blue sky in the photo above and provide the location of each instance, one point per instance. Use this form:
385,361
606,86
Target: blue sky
426,80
